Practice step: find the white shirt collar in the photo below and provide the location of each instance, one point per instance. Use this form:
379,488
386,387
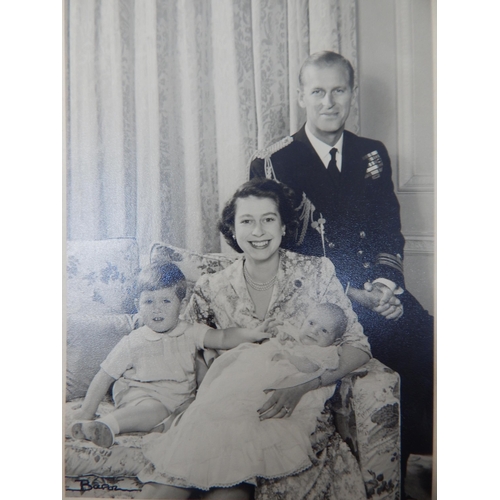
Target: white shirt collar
324,149
153,336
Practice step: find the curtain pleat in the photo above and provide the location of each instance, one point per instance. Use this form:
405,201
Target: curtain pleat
245,76
348,47
172,182
110,113
149,209
271,70
83,202
298,50
127,60
168,100
231,159
323,25
197,105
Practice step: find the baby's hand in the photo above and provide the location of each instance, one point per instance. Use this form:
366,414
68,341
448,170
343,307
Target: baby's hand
283,338
270,326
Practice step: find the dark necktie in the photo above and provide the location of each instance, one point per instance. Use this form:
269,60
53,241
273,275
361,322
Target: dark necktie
332,166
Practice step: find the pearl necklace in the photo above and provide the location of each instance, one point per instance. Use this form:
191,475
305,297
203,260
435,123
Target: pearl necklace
260,287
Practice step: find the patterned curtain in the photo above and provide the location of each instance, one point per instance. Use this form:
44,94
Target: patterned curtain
168,99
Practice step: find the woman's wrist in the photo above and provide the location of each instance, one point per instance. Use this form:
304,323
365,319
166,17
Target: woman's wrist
325,379
309,386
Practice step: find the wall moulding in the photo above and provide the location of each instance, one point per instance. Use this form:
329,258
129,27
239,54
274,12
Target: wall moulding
419,244
415,172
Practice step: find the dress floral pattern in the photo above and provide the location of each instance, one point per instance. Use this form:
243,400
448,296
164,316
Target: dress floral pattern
222,299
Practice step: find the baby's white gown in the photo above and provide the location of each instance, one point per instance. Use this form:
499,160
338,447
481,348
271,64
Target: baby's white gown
220,441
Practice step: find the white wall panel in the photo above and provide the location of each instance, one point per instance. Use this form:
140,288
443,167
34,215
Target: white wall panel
397,107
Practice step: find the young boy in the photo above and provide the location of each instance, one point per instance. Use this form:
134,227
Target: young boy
153,368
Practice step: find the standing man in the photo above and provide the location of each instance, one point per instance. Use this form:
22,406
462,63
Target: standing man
349,213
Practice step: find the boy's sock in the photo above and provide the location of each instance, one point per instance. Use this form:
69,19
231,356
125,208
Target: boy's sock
111,422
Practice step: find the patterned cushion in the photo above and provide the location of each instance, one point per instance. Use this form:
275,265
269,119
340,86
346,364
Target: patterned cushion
101,275
192,264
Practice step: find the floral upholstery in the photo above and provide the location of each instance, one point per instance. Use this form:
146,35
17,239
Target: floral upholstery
366,415
100,279
192,264
363,416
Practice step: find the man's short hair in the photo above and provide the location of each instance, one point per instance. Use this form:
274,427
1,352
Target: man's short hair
324,59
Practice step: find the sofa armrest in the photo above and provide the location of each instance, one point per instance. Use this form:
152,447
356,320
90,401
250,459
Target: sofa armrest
366,410
89,339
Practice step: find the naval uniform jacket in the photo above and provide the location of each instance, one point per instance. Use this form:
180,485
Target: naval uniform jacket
357,207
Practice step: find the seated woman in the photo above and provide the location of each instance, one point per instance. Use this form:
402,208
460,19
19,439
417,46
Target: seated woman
268,282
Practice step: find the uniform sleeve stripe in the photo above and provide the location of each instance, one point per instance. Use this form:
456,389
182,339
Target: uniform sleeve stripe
390,260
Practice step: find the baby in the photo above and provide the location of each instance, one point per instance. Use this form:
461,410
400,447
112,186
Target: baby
315,347
154,367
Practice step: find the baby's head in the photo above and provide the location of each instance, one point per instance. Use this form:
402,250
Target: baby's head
323,326
161,289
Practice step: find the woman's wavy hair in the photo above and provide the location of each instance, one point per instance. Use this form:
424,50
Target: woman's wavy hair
281,194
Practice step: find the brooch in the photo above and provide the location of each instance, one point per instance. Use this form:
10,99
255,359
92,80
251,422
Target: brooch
375,165
319,225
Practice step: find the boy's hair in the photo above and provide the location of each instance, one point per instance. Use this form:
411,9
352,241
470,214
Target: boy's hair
161,275
340,317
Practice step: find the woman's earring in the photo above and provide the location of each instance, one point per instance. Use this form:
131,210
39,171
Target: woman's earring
284,232
234,237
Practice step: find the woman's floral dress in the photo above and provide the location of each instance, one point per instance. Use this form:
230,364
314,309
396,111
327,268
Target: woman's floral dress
221,300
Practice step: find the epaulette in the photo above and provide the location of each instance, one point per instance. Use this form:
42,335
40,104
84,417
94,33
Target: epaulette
266,153
262,154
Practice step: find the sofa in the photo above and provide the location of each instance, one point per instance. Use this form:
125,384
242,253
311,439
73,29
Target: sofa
100,278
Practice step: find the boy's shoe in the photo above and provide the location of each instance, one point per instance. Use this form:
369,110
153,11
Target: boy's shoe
93,430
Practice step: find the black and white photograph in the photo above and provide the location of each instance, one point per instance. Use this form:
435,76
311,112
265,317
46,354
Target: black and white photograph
249,261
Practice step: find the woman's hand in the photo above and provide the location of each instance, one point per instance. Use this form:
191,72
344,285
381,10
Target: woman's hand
282,402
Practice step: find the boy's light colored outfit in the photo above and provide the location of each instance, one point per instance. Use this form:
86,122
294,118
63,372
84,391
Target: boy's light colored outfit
147,364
